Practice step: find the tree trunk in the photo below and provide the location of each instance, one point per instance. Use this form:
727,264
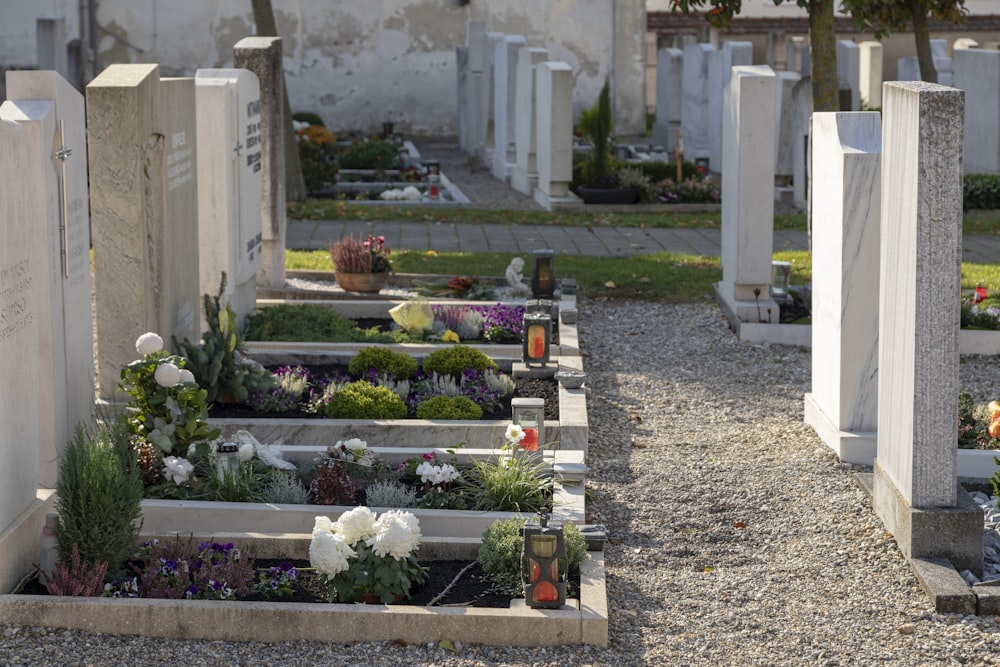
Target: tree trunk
922,37
823,56
295,186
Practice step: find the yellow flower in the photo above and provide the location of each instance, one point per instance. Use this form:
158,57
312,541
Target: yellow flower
450,336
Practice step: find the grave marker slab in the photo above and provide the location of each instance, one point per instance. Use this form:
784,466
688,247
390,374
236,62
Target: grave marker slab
870,77
695,129
230,181
144,212
669,95
554,93
849,69
477,92
915,484
524,176
843,404
784,114
263,57
66,327
720,65
505,104
977,72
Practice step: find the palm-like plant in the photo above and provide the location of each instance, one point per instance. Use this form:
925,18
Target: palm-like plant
596,124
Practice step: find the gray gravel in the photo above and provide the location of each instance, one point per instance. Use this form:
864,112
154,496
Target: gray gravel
736,536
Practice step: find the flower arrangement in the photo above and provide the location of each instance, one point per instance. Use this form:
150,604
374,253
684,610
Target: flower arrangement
168,409
361,554
353,255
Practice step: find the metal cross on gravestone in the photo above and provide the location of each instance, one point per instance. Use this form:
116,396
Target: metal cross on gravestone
62,154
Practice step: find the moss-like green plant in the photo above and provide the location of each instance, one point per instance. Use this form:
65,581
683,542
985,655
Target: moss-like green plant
308,322
456,360
369,154
449,407
99,497
363,400
219,364
383,360
500,554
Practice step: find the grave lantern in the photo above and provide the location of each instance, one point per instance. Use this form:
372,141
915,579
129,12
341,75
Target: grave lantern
781,276
433,178
543,547
529,414
227,459
543,279
537,333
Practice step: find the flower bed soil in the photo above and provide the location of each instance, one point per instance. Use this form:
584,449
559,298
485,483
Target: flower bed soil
544,388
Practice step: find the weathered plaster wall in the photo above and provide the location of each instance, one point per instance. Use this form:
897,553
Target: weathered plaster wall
358,64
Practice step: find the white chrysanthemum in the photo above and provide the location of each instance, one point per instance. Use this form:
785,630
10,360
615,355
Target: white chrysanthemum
357,524
397,535
176,469
411,193
322,523
148,343
187,376
167,375
514,434
328,553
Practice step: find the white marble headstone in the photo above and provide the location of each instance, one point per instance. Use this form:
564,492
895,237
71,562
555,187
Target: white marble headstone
870,77
977,72
669,93
695,130
554,91
230,182
849,69
524,176
505,104
720,65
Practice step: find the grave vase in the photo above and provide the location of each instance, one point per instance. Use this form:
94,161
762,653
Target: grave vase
366,283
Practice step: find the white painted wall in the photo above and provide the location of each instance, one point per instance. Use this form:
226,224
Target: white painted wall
358,64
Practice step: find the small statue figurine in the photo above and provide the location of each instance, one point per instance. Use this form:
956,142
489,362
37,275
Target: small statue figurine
515,277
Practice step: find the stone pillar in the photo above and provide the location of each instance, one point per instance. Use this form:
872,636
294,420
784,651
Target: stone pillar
916,493
784,115
843,405
849,69
50,45
554,91
695,130
748,196
66,326
230,185
477,96
870,75
143,204
524,176
977,72
720,65
505,103
462,87
802,107
263,57
669,92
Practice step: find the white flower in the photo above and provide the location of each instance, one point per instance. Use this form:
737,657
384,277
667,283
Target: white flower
186,376
514,434
357,524
322,523
328,553
397,535
148,343
271,455
354,444
167,375
299,124
176,469
412,193
448,473
246,452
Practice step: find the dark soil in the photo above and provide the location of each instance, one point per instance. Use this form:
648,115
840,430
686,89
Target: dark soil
471,590
547,389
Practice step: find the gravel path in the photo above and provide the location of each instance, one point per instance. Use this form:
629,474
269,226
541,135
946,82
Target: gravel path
736,536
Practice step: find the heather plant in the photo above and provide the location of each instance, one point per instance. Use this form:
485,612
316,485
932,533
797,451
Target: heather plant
351,254
99,497
449,407
76,578
457,359
465,320
399,365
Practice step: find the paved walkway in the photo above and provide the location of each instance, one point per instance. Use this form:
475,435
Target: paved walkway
601,241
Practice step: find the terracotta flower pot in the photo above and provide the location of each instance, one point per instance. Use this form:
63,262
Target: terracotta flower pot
365,283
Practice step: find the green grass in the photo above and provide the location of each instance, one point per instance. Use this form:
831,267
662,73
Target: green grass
672,277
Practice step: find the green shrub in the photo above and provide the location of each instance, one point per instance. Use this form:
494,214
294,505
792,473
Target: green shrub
99,497
658,171
308,322
510,483
981,191
399,365
500,554
449,407
319,167
371,154
363,400
457,359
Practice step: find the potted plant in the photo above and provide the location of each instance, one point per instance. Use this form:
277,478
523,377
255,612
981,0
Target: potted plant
361,266
601,186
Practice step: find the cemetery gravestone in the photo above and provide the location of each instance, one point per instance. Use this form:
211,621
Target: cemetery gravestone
695,129
524,176
849,70
797,56
230,184
66,325
554,91
977,72
908,69
748,196
505,104
784,114
669,94
843,405
144,197
478,95
720,65
801,114
50,45
263,57
916,494
870,76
